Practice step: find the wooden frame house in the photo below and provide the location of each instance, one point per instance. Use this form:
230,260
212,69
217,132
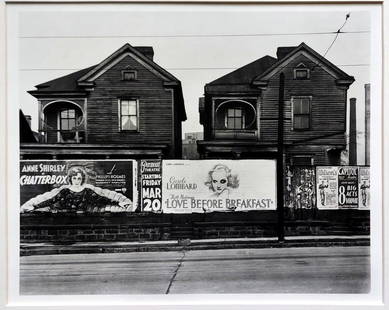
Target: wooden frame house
126,106
239,111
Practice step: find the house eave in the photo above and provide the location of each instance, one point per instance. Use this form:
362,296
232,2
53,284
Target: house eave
50,94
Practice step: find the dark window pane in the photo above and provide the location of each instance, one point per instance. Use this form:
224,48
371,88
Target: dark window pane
129,75
305,107
238,123
231,112
305,122
301,73
301,122
238,112
302,160
297,106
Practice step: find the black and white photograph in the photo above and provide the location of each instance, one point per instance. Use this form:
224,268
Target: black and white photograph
183,149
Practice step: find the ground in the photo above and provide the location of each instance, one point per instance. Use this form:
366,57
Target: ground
278,270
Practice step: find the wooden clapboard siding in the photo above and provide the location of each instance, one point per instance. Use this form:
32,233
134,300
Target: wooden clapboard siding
155,106
328,106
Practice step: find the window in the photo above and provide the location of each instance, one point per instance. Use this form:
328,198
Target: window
128,115
235,118
302,160
301,112
301,72
68,119
129,75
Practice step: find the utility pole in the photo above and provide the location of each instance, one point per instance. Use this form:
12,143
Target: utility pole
280,160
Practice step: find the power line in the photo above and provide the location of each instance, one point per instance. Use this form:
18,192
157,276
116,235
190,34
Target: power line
195,35
183,68
337,34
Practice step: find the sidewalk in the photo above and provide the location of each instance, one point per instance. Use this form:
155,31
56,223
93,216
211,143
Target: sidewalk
47,248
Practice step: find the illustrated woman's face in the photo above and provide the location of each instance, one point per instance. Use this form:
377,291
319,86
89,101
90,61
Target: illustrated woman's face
219,181
76,179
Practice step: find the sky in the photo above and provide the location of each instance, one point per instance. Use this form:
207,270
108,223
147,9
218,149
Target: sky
196,43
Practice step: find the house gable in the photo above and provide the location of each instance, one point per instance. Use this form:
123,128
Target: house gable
126,51
303,50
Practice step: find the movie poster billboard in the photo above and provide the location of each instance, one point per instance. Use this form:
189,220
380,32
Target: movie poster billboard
348,187
78,185
151,185
300,187
198,186
327,188
364,188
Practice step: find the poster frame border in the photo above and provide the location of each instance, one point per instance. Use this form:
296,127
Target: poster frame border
5,139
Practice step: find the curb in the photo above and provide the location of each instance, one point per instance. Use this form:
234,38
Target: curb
50,249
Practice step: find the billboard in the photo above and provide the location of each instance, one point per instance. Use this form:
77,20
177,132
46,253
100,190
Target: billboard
78,185
150,171
348,187
218,185
327,187
364,188
343,187
299,190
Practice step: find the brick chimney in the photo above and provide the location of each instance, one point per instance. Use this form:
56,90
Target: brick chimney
282,51
146,50
367,124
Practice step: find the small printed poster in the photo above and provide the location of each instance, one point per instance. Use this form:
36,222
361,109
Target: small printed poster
364,188
348,187
151,185
327,187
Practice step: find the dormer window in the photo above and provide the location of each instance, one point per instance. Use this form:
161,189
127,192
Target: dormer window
128,75
301,72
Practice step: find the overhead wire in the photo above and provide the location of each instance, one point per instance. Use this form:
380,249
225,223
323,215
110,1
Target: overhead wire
191,35
337,34
180,68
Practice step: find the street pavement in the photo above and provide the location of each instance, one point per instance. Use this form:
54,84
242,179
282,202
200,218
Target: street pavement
271,270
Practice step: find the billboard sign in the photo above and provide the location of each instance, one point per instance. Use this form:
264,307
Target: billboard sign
364,188
151,185
343,187
218,185
348,187
78,185
327,187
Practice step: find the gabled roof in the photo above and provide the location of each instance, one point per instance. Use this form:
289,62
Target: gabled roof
73,82
245,74
130,50
67,83
289,52
242,79
79,82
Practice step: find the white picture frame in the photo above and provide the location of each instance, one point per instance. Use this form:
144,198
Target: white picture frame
379,222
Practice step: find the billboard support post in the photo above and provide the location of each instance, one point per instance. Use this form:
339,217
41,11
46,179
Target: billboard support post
280,161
